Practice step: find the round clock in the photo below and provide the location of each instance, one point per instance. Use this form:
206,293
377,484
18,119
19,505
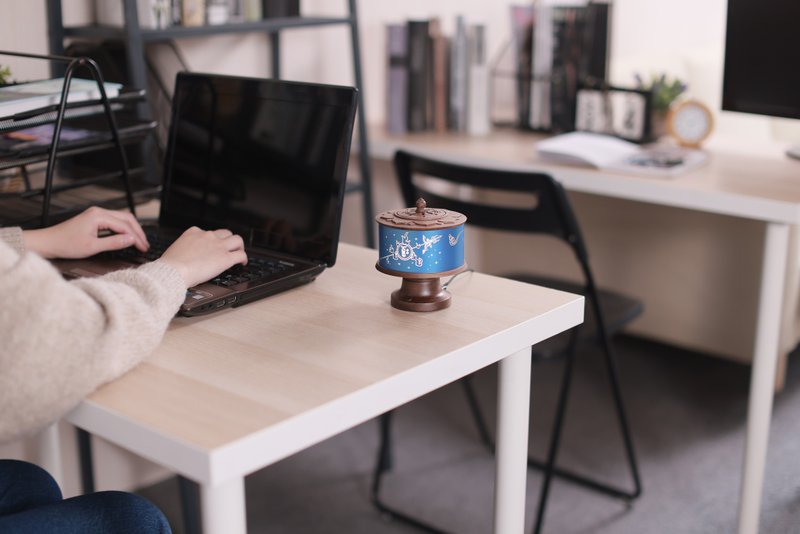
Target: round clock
690,122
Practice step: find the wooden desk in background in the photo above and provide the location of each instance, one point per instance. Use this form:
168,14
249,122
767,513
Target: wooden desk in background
761,189
230,393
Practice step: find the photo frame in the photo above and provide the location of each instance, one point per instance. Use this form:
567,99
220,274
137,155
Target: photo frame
617,111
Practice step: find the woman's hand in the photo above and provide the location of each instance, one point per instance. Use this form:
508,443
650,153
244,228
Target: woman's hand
87,234
200,255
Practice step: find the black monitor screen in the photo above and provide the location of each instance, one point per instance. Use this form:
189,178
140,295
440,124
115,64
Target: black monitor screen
762,58
264,158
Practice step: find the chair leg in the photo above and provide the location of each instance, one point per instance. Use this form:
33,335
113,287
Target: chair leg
619,405
555,435
190,505
564,474
85,459
383,464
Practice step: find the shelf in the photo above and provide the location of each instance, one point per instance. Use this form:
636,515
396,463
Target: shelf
177,32
130,130
49,114
26,211
136,37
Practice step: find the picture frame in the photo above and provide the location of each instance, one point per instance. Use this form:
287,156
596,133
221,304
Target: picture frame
618,111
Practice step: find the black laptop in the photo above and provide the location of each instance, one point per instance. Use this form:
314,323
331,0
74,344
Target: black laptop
266,159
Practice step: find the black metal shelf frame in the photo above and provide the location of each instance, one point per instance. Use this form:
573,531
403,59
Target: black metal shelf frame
72,64
136,37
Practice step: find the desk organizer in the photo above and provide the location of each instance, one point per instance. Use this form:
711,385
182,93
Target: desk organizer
420,245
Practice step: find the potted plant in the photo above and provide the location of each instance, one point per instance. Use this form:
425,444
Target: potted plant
664,90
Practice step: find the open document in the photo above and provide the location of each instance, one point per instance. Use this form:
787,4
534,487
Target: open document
614,154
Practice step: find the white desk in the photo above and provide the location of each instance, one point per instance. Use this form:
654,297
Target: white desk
233,392
762,189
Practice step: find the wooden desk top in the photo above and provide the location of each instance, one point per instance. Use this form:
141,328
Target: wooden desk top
758,187
234,391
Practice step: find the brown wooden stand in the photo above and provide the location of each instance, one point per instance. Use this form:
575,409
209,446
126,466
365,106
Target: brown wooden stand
421,292
420,295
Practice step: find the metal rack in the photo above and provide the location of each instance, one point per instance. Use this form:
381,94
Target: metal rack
32,206
136,37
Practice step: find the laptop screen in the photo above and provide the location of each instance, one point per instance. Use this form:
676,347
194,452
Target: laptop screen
265,158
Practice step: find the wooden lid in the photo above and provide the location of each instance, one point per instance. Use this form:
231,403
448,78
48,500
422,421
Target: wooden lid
421,218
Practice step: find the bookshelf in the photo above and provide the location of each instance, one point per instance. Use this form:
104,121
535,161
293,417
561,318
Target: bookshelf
136,38
33,141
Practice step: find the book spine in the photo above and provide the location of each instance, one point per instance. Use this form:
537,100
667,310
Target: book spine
458,77
522,48
397,78
478,95
281,8
542,67
418,70
439,73
193,12
595,48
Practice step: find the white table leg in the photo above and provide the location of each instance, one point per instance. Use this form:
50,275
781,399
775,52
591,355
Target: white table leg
762,379
48,453
223,507
513,405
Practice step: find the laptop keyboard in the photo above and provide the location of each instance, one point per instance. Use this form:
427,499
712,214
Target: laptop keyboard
255,270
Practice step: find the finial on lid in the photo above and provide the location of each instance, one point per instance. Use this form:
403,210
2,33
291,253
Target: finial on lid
421,205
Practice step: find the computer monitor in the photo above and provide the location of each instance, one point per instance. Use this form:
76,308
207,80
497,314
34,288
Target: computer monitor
762,59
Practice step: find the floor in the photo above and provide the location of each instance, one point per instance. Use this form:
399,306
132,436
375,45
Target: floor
687,412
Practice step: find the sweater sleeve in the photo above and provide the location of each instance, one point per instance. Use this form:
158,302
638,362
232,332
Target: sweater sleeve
60,340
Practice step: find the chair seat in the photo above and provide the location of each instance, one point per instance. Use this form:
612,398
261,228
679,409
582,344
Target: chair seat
618,310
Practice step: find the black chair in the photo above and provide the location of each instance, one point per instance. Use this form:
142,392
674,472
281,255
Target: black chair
549,213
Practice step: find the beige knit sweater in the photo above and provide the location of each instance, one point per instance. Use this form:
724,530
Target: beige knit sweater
60,340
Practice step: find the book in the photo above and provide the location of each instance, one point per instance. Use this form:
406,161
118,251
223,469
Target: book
521,49
478,122
397,78
614,154
418,75
542,67
193,12
30,96
459,67
439,72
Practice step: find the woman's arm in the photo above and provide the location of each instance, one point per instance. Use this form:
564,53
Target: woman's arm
60,340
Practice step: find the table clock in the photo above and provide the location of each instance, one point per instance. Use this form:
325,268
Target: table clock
421,245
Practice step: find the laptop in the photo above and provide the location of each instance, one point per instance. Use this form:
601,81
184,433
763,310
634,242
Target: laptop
265,158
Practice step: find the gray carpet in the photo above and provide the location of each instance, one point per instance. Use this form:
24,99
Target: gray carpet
687,413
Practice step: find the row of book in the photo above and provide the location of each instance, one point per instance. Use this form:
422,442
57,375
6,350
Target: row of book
554,51
436,82
160,14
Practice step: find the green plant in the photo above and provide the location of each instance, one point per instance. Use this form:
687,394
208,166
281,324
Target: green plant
664,89
5,74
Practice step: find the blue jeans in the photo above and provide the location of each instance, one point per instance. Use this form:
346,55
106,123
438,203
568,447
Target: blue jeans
30,501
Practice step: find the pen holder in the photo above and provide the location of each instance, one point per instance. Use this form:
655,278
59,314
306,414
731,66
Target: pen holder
420,245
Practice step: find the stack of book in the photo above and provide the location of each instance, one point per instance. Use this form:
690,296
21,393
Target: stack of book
160,14
555,50
436,82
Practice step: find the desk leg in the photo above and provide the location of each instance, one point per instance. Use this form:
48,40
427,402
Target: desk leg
48,444
513,404
762,379
223,507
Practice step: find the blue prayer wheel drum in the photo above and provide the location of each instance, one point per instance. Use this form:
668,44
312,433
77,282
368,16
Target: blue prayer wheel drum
420,245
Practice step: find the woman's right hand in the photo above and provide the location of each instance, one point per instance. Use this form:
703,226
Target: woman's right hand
199,255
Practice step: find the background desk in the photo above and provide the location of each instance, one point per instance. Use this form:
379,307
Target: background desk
230,393
762,191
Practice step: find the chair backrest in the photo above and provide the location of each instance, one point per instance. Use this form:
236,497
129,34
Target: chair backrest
550,214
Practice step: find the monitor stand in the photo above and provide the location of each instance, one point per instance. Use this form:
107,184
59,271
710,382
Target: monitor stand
793,151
